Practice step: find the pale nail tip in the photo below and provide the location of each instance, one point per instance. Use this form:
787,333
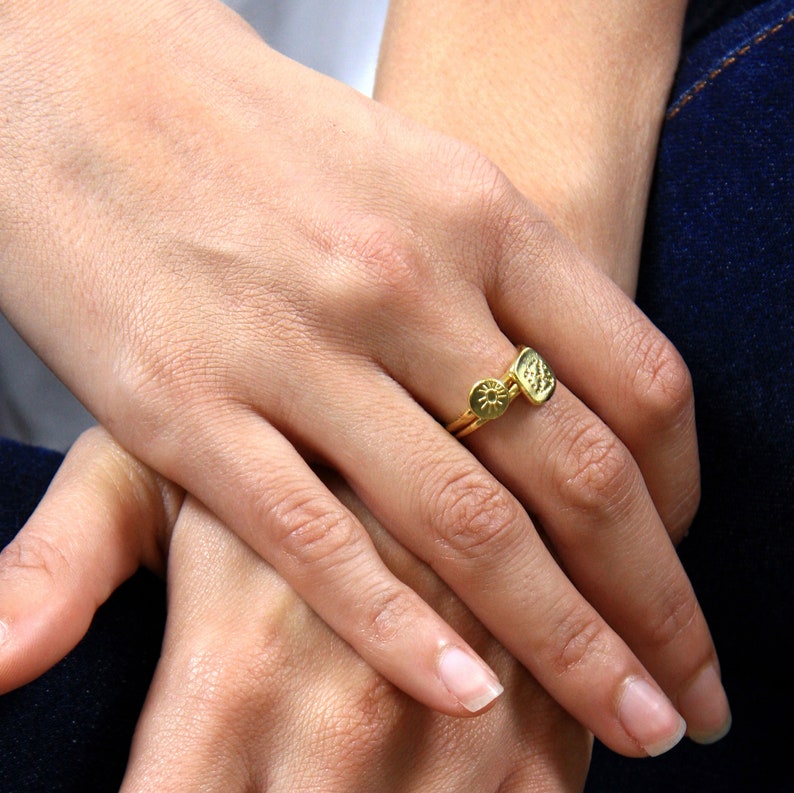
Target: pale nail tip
706,738
666,744
476,704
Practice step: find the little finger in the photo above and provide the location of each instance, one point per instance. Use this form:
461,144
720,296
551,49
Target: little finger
609,354
586,490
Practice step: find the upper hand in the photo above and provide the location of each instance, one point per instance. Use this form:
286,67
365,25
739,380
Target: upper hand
241,264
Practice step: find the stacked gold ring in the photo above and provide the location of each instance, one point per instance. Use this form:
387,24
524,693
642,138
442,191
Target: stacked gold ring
529,375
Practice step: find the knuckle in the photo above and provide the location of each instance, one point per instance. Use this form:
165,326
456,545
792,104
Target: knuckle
156,384
374,265
663,385
483,209
222,679
503,243
679,517
34,553
474,517
369,706
476,186
389,261
598,475
576,639
208,676
310,531
532,251
215,686
374,702
470,191
674,613
360,721
387,614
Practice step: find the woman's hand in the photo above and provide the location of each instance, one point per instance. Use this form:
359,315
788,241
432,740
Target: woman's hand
568,99
239,264
252,690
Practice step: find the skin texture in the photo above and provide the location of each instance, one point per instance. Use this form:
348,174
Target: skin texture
566,98
170,243
253,691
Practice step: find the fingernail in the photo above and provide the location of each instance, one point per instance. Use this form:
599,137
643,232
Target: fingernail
649,717
706,706
468,679
3,632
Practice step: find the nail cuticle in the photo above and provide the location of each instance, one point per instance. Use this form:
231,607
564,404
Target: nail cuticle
469,680
649,718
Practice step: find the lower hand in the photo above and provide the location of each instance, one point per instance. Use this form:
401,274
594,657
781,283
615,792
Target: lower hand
252,689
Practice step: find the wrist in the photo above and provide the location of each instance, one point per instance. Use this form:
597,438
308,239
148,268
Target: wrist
567,101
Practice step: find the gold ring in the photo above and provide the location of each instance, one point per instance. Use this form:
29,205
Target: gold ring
529,375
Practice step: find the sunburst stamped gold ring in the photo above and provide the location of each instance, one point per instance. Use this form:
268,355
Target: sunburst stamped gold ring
529,375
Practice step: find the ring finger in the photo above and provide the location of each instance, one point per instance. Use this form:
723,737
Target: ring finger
480,540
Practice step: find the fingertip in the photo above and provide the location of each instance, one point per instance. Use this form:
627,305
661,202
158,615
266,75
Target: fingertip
705,704
40,624
468,678
649,718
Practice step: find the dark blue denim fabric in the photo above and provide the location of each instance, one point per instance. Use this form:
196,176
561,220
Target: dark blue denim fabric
70,730
705,16
718,277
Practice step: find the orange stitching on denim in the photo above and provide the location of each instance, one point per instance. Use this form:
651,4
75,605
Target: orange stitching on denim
729,61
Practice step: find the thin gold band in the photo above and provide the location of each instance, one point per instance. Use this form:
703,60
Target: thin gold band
529,375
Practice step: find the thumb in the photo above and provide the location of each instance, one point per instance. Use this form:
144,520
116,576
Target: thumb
103,516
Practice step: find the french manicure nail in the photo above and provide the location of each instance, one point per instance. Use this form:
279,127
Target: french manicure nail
468,679
706,706
649,717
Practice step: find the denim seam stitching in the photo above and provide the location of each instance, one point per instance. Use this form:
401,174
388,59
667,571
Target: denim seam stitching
704,82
